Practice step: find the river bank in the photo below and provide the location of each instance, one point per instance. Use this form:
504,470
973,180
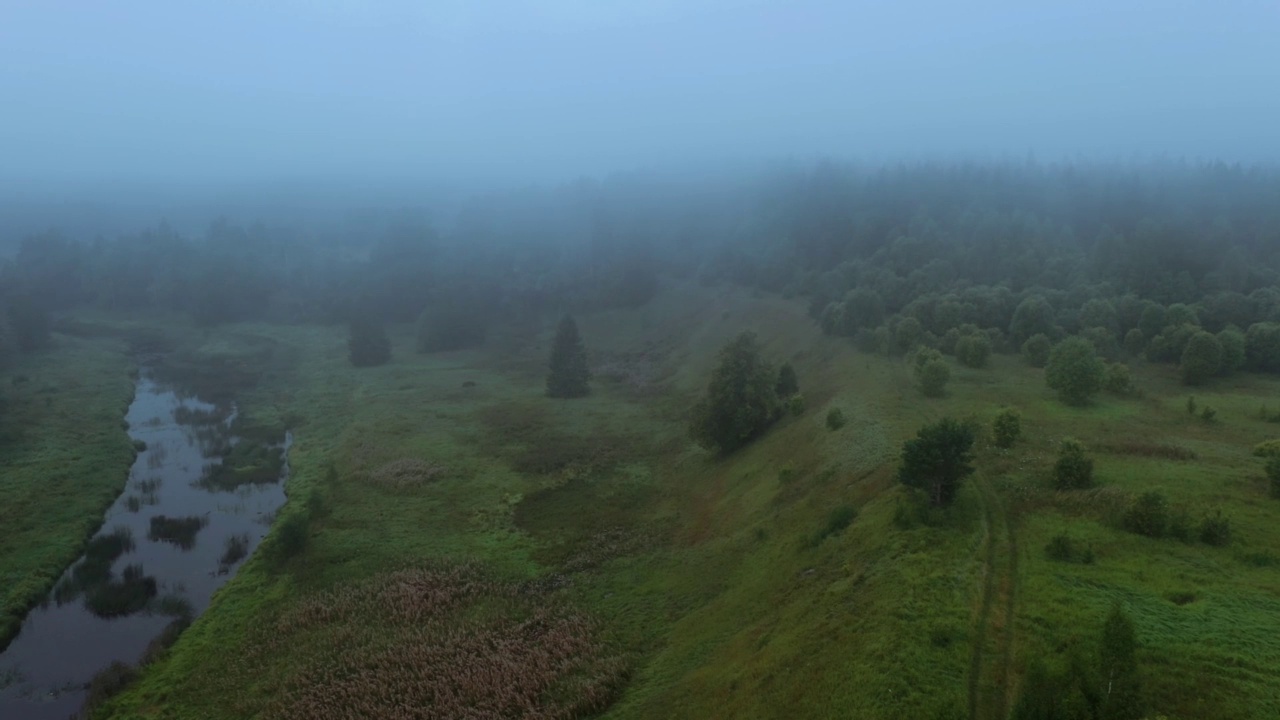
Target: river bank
197,503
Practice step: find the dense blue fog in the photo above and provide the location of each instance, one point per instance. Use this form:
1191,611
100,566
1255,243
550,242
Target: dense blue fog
163,98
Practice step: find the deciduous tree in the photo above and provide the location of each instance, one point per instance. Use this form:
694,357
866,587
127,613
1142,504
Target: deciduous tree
937,460
741,400
1075,371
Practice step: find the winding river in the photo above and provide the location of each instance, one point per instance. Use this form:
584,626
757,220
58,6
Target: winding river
174,536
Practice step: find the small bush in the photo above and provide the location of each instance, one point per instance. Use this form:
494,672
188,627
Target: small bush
1261,559
292,534
108,683
1119,380
838,519
1073,470
1148,515
157,648
933,377
942,637
786,475
1208,415
1215,530
1036,350
796,405
1060,548
1267,449
1007,428
1191,405
835,419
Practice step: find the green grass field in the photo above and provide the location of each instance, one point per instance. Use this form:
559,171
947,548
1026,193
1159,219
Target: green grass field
64,457
711,589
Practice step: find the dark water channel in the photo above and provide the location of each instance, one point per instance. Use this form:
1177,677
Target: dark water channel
180,529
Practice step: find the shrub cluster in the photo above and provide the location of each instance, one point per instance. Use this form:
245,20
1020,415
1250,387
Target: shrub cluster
1073,469
1007,428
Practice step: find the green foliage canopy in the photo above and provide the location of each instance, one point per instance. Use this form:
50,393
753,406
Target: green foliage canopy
937,460
741,400
1075,371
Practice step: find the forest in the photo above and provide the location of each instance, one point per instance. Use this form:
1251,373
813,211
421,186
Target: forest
930,440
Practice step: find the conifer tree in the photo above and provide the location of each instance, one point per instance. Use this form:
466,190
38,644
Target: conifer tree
569,373
788,384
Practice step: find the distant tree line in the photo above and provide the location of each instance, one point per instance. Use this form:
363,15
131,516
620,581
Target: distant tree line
1174,262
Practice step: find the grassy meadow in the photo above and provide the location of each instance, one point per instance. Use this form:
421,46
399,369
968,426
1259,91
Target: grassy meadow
584,554
64,457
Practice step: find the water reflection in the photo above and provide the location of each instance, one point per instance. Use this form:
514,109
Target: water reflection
179,531
195,506
105,594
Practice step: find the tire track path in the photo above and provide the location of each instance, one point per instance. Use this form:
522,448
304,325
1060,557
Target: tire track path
990,665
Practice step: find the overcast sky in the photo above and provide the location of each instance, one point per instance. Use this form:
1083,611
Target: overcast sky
261,90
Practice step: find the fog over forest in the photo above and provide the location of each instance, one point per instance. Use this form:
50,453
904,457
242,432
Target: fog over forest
155,105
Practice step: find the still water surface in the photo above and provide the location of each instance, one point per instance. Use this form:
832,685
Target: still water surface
140,573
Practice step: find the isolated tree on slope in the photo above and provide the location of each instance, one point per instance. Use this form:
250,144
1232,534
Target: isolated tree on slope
741,400
569,372
1121,687
1075,370
937,460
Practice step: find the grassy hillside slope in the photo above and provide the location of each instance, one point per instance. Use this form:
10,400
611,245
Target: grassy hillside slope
719,587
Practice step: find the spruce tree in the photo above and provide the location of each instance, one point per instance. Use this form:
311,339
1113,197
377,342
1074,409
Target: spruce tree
788,384
569,373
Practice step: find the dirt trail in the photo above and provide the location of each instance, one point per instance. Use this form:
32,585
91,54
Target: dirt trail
990,666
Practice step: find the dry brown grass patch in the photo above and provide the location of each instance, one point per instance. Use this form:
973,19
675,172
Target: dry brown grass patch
406,473
441,642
